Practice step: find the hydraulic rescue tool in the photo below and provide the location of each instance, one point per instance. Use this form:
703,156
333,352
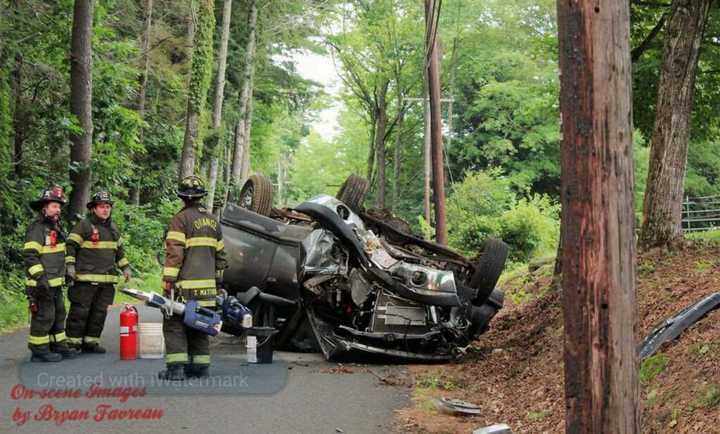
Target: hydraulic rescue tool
235,316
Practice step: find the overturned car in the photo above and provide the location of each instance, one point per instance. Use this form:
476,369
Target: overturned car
333,277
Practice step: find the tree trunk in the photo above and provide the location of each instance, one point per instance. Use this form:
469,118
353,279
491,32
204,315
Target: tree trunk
201,69
214,162
397,157
662,207
371,149
19,120
380,144
436,125
598,283
134,188
142,93
81,104
241,128
135,196
245,170
236,172
222,64
227,166
216,151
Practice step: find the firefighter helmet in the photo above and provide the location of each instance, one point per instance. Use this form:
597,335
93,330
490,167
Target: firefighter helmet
191,187
100,196
52,194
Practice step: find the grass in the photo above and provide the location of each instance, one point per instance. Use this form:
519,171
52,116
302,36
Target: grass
712,236
652,367
433,382
645,267
652,398
150,282
703,265
711,396
535,416
14,311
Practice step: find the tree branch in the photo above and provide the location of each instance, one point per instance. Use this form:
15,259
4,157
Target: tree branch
638,51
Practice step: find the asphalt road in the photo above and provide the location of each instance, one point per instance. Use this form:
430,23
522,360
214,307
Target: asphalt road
299,393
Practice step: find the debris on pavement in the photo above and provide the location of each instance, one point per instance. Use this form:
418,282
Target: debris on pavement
500,428
457,407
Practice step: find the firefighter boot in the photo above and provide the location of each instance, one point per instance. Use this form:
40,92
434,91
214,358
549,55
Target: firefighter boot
174,372
93,349
197,371
43,354
66,351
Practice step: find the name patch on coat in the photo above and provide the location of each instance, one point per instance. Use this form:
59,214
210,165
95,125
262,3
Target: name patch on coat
205,222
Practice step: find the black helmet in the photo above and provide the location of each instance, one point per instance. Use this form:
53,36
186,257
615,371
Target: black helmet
191,187
52,194
100,196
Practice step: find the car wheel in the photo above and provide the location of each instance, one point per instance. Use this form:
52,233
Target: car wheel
352,192
257,195
489,268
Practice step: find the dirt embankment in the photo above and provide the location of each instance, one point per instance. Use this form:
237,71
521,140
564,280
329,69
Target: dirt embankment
515,371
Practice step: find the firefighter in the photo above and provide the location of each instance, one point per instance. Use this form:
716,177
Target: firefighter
44,257
194,264
94,254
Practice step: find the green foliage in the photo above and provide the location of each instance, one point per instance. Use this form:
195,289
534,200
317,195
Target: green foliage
480,193
13,304
703,171
202,56
142,230
484,205
531,228
646,267
652,366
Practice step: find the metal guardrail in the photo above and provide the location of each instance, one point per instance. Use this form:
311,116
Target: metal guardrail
701,213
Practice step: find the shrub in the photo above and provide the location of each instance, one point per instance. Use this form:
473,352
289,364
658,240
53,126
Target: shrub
531,228
485,193
470,234
142,231
484,206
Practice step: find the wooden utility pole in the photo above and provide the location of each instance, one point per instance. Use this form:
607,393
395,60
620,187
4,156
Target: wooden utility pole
427,166
601,364
433,74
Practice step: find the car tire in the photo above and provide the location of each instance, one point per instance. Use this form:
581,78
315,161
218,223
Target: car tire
489,268
257,195
352,192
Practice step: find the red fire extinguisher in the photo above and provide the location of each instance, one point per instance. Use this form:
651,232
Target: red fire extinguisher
128,332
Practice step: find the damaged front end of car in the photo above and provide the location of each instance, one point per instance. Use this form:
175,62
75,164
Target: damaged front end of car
365,295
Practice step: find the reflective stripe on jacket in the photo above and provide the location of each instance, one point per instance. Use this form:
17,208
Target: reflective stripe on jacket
194,252
96,249
44,252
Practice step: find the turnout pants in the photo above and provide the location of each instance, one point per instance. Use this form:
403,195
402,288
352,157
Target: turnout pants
47,325
183,344
89,303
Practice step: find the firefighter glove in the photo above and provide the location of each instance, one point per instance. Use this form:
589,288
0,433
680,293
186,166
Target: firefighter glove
70,273
43,286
